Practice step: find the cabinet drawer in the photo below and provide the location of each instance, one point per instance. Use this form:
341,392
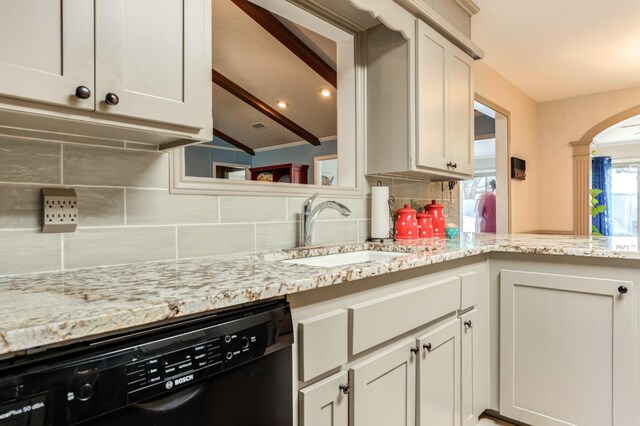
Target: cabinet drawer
382,319
323,343
469,290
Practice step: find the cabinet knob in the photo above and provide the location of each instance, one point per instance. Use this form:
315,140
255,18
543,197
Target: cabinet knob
111,99
427,347
415,350
467,323
83,92
344,388
449,165
622,289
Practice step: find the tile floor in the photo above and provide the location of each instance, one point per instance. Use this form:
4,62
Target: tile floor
490,421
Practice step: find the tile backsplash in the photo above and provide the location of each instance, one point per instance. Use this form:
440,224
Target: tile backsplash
128,215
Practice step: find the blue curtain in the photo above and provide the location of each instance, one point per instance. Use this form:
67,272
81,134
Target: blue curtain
601,179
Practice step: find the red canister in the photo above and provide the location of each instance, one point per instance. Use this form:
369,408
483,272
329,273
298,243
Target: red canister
425,224
406,224
437,211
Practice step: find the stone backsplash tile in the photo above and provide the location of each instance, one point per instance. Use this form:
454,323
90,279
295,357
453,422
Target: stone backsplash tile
112,246
88,165
159,207
252,209
277,236
29,251
19,206
29,161
100,206
211,240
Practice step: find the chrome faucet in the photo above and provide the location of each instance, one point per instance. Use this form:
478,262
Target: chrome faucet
308,217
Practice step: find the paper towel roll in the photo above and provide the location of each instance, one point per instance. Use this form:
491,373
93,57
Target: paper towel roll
380,212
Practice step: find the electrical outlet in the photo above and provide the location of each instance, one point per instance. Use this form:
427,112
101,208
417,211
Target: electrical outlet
59,210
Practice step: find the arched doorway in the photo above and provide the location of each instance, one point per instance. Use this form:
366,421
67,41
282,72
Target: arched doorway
582,150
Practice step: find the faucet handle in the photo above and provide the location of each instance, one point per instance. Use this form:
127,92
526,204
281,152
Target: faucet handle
310,200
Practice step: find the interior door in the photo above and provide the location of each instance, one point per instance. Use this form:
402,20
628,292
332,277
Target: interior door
155,63
384,388
439,376
46,51
566,349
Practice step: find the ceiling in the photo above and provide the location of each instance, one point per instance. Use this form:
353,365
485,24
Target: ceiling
554,49
252,58
627,131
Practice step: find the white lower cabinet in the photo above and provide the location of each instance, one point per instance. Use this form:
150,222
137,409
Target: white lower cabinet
439,376
470,368
566,349
384,387
326,403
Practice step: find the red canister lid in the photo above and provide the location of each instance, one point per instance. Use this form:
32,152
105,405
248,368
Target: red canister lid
433,205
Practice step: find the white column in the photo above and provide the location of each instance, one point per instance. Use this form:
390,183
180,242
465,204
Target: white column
581,187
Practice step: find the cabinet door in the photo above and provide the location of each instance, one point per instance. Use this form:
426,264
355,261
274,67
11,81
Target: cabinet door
566,349
46,50
432,102
158,64
326,403
461,112
384,391
439,376
470,368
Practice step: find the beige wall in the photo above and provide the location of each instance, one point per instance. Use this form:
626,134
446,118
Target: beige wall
561,122
524,143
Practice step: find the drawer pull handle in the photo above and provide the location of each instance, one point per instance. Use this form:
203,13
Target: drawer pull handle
344,388
467,323
415,350
427,347
112,99
622,289
83,92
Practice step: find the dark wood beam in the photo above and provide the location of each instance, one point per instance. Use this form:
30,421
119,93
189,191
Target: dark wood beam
284,35
263,107
231,141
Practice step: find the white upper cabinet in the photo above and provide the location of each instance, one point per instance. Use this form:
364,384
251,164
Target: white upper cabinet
419,103
153,62
444,121
46,51
141,66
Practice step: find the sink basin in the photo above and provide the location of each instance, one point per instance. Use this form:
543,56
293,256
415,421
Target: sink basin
341,259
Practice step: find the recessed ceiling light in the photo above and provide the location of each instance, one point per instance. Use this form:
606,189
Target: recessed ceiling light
325,93
282,104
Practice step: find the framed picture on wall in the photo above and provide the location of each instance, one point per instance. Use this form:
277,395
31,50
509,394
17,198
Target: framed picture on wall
325,170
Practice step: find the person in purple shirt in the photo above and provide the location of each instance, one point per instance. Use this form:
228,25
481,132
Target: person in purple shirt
486,209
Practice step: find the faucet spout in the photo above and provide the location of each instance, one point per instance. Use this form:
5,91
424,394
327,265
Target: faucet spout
309,216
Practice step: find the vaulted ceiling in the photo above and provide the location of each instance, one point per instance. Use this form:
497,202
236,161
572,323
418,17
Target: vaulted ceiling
252,58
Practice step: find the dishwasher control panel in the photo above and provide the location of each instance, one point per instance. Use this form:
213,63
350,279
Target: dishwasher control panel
165,371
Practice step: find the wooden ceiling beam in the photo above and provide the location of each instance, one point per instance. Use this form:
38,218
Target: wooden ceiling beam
263,107
231,141
284,35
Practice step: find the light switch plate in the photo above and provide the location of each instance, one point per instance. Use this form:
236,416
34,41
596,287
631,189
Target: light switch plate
59,210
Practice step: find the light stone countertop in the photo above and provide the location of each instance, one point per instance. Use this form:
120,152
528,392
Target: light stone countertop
57,307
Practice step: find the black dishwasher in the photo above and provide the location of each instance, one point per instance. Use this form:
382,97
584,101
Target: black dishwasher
228,369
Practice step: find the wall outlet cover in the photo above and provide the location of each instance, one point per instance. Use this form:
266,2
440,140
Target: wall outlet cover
59,210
